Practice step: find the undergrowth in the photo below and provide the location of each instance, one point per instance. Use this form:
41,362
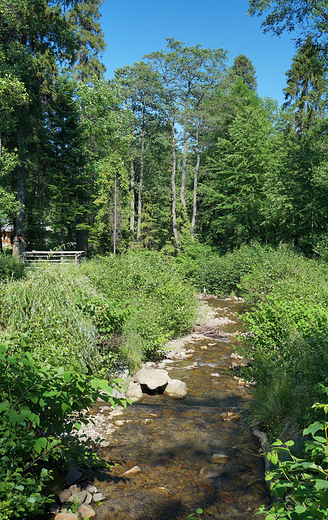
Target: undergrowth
63,331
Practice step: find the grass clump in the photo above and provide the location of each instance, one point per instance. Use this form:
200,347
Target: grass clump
40,312
11,268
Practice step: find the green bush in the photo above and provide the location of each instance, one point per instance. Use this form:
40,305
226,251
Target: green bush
299,484
38,401
288,337
149,300
220,275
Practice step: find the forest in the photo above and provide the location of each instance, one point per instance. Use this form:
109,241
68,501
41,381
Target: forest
175,147
174,176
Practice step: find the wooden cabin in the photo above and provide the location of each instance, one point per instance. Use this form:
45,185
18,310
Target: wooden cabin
7,234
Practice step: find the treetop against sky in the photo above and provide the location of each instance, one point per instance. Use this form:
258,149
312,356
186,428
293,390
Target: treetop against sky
133,29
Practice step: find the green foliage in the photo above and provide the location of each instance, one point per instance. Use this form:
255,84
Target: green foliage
299,484
149,303
196,515
287,339
40,311
219,274
38,402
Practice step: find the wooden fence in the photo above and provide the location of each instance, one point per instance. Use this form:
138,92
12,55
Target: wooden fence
58,257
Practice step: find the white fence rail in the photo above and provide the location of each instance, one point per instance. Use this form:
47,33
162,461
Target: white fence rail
58,257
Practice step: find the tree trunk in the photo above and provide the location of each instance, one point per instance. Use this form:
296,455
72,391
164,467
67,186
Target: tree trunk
132,203
194,203
21,174
115,216
80,237
141,172
174,217
184,163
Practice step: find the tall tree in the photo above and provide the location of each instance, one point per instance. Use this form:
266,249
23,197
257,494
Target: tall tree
306,83
188,74
309,17
34,37
237,189
141,88
84,16
244,68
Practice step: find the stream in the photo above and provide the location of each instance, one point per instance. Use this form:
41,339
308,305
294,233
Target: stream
173,442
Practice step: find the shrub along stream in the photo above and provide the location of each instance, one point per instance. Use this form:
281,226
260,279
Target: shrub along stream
63,332
287,349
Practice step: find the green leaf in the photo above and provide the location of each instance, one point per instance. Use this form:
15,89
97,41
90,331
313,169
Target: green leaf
95,383
67,376
64,407
321,484
4,405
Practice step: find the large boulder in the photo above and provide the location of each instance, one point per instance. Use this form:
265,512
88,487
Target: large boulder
152,381
176,388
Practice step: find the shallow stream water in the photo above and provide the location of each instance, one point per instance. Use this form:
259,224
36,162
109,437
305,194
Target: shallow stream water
173,441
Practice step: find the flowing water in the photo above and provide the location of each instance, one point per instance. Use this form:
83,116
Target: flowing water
173,441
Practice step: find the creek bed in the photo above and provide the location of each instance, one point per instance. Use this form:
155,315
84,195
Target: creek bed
173,441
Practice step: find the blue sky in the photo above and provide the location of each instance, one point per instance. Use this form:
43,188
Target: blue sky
136,27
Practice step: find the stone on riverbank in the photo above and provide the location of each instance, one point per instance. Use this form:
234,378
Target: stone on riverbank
152,380
176,388
132,471
86,511
66,516
73,475
134,392
220,458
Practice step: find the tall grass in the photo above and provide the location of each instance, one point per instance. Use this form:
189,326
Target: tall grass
11,268
40,312
107,310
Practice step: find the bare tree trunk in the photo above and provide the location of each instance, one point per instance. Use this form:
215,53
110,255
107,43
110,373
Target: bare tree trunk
184,163
194,203
141,176
174,217
80,236
0,224
115,216
132,203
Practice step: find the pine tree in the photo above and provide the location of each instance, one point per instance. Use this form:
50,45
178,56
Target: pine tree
244,68
306,84
84,16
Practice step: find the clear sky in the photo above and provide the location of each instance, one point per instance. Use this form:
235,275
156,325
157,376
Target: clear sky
136,27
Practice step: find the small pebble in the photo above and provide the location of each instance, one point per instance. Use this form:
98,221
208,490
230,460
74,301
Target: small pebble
98,497
91,489
132,471
86,511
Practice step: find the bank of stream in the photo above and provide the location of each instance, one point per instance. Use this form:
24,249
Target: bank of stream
173,441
